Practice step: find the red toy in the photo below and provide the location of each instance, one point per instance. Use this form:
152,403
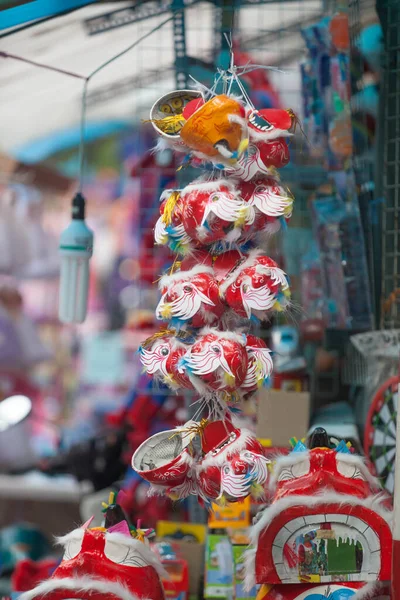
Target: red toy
328,523
104,563
255,287
233,465
217,361
176,585
160,355
190,296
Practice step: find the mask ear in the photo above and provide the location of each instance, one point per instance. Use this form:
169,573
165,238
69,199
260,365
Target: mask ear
88,523
121,527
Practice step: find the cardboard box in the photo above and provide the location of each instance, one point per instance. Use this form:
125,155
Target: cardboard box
282,415
194,555
236,515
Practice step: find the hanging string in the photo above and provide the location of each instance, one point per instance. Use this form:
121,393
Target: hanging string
86,78
85,88
41,65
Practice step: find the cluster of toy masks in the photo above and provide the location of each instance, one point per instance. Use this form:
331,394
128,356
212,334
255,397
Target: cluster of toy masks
112,562
221,365
242,195
219,284
227,465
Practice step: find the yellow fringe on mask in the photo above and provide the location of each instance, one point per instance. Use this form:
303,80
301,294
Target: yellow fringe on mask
171,124
257,491
166,312
194,429
173,497
169,208
221,501
243,212
244,144
156,336
229,379
169,380
287,293
289,208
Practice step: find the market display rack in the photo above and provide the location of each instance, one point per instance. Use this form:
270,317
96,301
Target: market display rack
389,14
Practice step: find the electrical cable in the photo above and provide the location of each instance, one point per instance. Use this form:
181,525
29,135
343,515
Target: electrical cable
76,242
85,87
41,65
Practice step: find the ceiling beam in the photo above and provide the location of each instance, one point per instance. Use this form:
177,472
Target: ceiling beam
29,12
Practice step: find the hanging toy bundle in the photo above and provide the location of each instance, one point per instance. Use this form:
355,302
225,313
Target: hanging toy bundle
220,284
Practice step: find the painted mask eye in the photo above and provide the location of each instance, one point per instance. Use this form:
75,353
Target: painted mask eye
177,103
164,352
166,109
298,469
187,288
216,349
73,547
349,470
124,554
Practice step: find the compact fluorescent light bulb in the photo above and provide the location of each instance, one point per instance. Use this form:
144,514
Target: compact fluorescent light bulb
76,249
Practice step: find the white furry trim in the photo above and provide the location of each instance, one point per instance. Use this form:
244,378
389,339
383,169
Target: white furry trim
76,534
166,280
351,459
283,461
242,121
250,568
249,262
164,143
81,584
374,503
205,186
148,555
156,490
360,463
267,136
369,590
239,338
236,446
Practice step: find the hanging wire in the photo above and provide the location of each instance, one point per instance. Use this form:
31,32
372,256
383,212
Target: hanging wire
86,78
41,65
85,88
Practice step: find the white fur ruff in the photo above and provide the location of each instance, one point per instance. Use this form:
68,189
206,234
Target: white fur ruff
81,584
239,338
262,136
209,186
166,280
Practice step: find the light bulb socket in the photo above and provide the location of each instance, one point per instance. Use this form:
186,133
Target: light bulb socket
78,207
